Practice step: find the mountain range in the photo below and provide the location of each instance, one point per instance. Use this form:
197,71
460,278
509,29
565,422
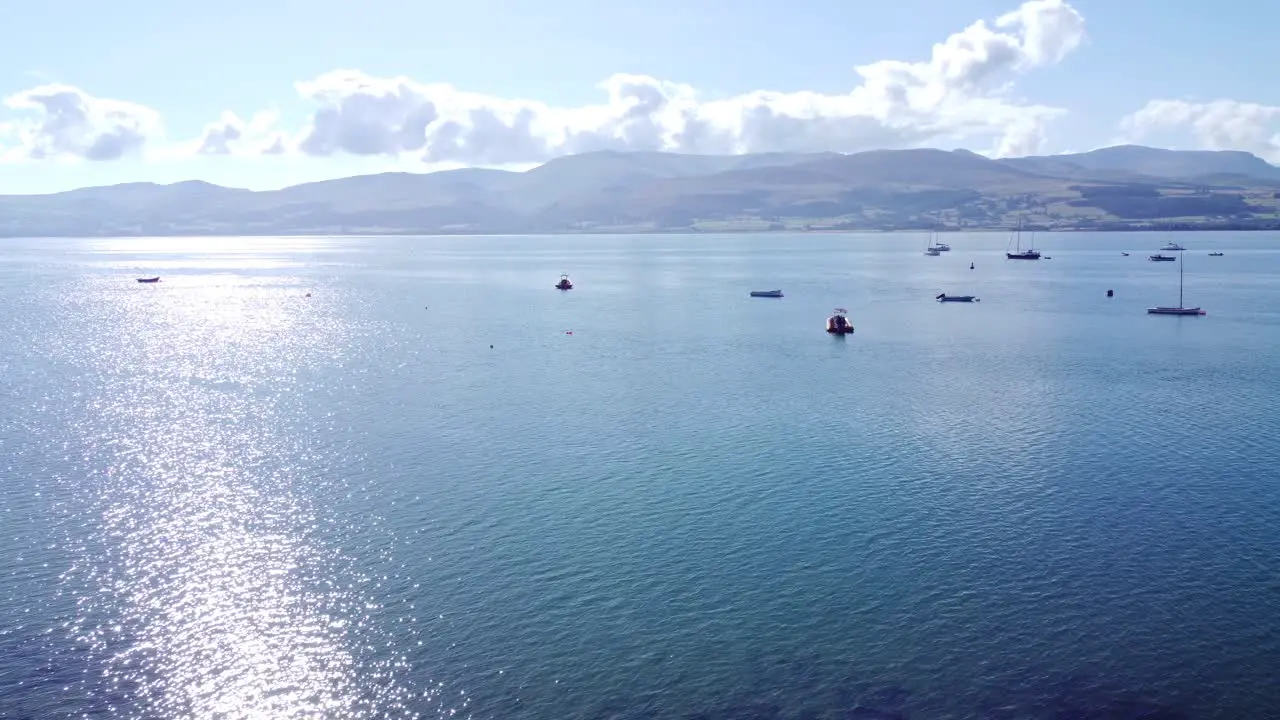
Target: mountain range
1122,187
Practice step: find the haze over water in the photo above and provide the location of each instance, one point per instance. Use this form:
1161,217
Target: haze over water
220,498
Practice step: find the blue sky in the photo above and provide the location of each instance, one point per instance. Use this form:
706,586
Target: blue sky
177,67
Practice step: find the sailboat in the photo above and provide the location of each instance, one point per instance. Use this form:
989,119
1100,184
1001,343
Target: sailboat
1176,310
940,246
1019,253
931,248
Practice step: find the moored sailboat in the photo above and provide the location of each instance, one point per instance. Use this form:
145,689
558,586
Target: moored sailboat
1018,253
1180,310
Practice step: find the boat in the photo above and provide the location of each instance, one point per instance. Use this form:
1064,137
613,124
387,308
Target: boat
1162,258
1215,254
149,280
766,293
1125,254
939,246
943,297
1019,253
838,324
931,249
1176,310
564,283
1172,246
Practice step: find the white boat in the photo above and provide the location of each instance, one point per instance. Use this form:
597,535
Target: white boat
931,248
1176,310
935,245
1172,246
766,293
933,251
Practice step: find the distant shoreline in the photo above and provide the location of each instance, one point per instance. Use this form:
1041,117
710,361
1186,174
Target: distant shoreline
672,231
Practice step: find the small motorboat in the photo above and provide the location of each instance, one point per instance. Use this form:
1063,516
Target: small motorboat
564,283
838,324
1162,258
149,280
943,297
766,293
1215,254
942,246
1172,246
1125,254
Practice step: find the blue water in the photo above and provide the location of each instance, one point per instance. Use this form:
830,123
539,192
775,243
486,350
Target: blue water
415,493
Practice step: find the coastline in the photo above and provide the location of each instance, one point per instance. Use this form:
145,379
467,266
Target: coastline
411,232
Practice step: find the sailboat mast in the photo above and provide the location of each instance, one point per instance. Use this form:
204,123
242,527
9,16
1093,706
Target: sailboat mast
1180,265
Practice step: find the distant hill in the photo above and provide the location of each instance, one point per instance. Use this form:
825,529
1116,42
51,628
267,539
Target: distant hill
1113,188
1161,163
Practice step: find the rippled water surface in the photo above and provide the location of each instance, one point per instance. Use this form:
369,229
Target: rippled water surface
436,487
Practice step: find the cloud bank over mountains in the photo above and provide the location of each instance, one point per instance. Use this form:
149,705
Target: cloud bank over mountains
962,94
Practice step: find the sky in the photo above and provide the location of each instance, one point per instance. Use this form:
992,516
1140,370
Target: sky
271,93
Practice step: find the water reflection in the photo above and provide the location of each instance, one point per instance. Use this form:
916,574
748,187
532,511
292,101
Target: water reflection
222,595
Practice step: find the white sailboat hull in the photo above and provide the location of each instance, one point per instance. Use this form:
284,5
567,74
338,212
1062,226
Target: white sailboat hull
1174,311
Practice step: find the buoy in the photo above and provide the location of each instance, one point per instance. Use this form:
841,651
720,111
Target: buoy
970,266
1111,293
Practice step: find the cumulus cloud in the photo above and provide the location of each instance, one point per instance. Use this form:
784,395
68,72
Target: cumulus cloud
71,123
230,135
1217,125
960,93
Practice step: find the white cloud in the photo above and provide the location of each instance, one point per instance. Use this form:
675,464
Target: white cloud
230,135
961,93
1217,125
72,124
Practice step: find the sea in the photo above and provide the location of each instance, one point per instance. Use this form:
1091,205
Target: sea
391,477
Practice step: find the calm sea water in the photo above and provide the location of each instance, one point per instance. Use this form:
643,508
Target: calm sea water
415,493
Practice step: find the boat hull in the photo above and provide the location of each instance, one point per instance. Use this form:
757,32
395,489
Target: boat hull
1022,256
766,293
836,327
149,280
958,298
1174,311
1161,258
